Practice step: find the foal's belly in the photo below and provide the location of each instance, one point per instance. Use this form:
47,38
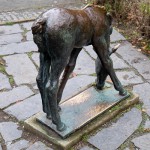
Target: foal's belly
83,37
82,43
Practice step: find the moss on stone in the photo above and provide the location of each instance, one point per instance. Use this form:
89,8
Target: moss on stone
9,23
2,69
11,80
30,54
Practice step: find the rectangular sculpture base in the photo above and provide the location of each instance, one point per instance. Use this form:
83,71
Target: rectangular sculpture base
84,107
81,114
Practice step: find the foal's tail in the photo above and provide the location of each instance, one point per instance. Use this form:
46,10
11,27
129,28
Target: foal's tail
38,25
38,28
114,49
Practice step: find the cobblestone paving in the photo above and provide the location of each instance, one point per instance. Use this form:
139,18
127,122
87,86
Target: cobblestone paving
11,17
21,15
19,98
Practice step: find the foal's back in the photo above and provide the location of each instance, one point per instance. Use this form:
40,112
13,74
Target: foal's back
71,28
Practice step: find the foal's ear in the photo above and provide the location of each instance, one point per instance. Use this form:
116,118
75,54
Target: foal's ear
110,19
98,2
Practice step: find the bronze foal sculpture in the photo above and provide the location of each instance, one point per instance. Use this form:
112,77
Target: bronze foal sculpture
60,35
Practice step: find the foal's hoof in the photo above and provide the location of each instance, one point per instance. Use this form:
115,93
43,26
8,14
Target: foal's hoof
48,116
61,127
100,86
123,92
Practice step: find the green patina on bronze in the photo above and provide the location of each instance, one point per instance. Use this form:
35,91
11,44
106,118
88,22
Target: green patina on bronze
83,108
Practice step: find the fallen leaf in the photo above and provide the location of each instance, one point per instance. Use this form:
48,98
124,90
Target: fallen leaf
143,110
73,75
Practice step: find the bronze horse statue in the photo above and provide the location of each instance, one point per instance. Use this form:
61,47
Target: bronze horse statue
60,35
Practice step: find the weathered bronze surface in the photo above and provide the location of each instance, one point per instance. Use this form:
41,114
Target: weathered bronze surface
60,35
81,109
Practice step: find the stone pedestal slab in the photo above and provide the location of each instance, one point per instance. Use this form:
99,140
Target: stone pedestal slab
81,114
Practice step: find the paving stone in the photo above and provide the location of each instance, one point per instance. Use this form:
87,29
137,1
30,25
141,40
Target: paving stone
4,82
29,36
116,36
9,131
10,29
85,64
35,87
35,57
143,68
118,63
112,137
86,148
147,125
15,95
128,78
18,48
135,59
19,145
27,25
12,38
143,91
142,142
21,68
38,146
27,108
90,51
76,84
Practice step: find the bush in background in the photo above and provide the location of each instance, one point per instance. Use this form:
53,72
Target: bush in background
135,13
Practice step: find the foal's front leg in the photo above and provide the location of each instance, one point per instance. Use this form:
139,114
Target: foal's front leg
101,47
101,71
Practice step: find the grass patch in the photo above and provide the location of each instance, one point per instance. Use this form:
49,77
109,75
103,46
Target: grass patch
30,54
94,74
85,137
140,129
114,108
9,23
24,32
11,80
2,69
138,106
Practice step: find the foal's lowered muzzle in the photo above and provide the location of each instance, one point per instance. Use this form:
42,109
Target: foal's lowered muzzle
114,49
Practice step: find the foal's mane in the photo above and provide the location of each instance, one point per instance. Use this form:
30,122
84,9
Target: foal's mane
95,5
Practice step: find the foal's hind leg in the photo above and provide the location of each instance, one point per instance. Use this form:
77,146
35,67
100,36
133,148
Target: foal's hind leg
68,70
42,79
101,47
101,74
57,67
